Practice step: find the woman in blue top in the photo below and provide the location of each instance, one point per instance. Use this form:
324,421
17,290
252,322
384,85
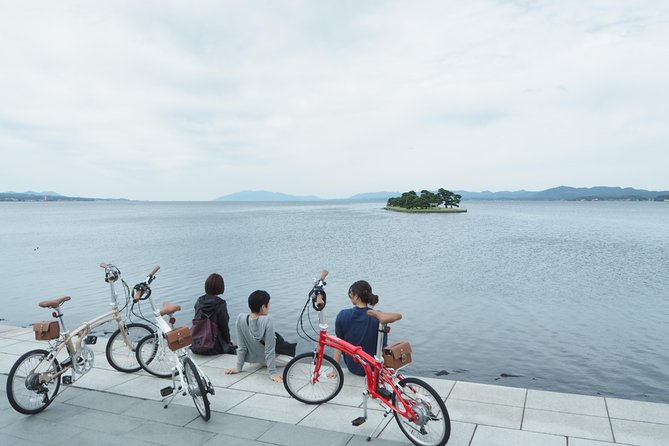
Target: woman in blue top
355,326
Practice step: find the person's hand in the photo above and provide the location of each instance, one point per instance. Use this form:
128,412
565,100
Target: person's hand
277,379
231,372
332,374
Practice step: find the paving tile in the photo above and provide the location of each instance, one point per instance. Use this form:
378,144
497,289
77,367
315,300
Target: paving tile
222,401
105,402
220,379
174,414
638,433
92,437
288,435
565,402
359,440
19,348
147,387
442,386
572,441
638,411
495,436
338,418
100,379
260,382
8,440
273,408
572,425
461,433
59,411
111,424
483,413
221,439
163,433
35,428
220,361
486,393
233,425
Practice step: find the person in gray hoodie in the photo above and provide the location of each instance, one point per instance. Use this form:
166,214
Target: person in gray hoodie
255,336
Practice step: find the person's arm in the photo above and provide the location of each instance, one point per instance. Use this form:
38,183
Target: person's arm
270,351
241,350
339,332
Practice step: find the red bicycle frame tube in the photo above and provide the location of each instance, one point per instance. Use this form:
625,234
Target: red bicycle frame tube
374,371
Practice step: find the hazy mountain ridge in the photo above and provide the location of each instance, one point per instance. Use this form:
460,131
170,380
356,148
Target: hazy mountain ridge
554,194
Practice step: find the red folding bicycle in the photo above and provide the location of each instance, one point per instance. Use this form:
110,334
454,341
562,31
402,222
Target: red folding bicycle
315,378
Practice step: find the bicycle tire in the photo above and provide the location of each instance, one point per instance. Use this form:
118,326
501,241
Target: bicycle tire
24,399
196,388
298,379
155,357
424,407
119,355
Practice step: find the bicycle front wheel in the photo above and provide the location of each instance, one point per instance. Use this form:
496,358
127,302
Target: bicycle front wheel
120,355
310,383
154,356
27,391
196,388
432,426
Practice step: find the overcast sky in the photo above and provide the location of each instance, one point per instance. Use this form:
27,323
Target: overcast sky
191,100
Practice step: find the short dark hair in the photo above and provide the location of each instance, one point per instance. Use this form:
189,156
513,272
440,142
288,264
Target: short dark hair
214,285
257,299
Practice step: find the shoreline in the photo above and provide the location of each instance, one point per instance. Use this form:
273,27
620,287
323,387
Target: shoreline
427,211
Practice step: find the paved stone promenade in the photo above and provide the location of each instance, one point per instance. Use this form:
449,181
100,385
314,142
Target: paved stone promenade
107,407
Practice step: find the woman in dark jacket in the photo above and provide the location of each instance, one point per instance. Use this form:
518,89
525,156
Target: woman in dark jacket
213,307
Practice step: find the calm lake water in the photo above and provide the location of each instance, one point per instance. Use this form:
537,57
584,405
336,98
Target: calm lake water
564,296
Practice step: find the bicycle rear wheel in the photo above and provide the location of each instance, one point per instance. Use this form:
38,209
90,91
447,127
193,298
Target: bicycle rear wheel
119,354
154,356
25,392
196,388
432,426
309,384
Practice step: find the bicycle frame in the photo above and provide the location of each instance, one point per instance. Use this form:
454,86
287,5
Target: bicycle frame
375,372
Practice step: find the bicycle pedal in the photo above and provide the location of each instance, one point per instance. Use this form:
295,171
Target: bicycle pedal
166,391
67,380
385,393
358,421
91,340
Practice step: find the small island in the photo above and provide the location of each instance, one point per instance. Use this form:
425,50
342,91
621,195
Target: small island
443,201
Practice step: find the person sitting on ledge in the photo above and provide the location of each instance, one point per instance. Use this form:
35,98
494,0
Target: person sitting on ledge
355,326
257,340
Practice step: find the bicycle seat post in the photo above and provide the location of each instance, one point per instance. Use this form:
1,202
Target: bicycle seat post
379,341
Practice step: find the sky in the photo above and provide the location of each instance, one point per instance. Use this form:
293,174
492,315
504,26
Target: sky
193,100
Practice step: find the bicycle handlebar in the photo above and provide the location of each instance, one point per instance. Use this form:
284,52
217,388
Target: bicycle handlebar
317,293
142,290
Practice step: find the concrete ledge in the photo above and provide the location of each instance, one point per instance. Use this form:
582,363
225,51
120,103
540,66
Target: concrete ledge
107,407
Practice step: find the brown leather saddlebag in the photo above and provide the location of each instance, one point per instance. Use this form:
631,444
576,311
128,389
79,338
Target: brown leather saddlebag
46,330
397,355
179,338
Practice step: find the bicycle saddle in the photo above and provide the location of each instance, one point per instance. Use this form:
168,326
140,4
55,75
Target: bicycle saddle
169,308
385,318
54,303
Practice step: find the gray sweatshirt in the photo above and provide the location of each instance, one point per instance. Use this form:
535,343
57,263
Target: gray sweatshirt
248,338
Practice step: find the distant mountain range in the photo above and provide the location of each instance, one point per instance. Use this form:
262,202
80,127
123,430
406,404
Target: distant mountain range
599,193
47,196
557,193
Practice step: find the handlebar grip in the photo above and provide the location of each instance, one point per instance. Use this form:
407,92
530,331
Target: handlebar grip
154,270
324,274
103,265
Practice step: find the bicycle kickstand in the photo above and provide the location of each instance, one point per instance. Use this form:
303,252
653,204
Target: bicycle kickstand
169,391
385,414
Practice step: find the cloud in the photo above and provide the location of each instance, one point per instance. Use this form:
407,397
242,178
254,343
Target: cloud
174,100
